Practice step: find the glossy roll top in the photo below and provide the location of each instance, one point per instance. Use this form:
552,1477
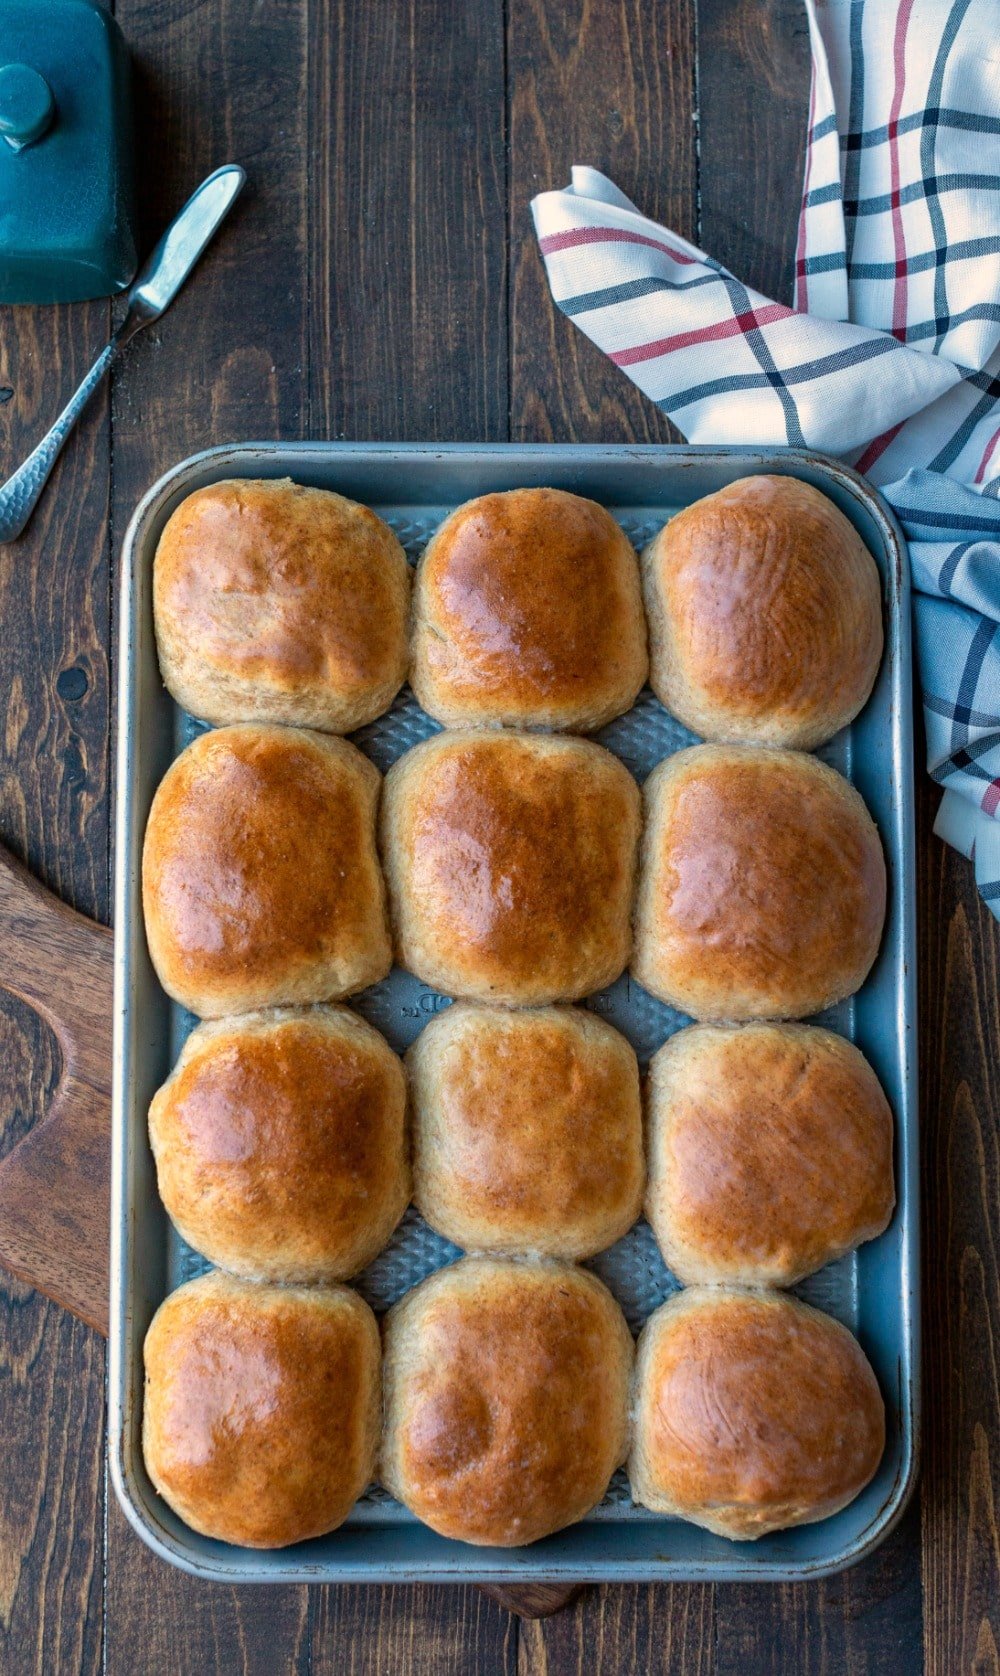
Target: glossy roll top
528,613
510,861
762,885
261,1416
280,1143
770,1152
278,603
765,614
261,883
753,1413
506,1398
527,1130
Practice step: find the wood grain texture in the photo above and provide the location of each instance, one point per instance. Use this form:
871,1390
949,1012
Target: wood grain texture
163,1623
218,82
412,1632
54,635
55,1187
408,256
753,106
610,83
867,1619
618,1630
54,613
52,1419
960,1104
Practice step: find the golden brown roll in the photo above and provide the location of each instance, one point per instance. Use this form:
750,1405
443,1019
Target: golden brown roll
261,1416
527,1130
510,860
770,1152
528,613
277,603
753,1413
260,879
280,1143
761,885
506,1399
765,614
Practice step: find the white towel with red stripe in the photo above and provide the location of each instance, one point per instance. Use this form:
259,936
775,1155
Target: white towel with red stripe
891,354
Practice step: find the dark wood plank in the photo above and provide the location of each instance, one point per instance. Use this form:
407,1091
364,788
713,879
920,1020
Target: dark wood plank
54,612
52,1419
408,256
753,89
960,1102
217,84
866,1619
54,632
412,1632
610,84
615,1631
408,339
162,1623
753,105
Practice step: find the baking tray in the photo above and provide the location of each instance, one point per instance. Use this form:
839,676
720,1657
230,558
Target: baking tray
874,1291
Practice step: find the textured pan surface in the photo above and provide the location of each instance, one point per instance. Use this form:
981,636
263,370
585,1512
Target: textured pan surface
873,1291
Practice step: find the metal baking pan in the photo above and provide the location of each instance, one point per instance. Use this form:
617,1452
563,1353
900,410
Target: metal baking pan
874,1291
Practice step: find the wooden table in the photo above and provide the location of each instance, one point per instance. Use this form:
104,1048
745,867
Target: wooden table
381,280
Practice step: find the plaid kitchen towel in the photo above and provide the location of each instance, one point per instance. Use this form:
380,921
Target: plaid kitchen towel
891,355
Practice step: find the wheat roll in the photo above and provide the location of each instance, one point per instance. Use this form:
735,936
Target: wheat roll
506,1398
278,603
762,885
770,1152
510,860
261,884
765,615
527,1130
527,612
261,1417
280,1143
753,1413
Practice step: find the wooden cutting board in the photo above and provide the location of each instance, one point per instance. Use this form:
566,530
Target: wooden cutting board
55,1186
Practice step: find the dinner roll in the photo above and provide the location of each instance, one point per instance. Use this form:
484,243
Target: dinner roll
260,879
280,1143
765,614
506,1399
753,1413
528,613
277,603
761,885
261,1416
527,1130
770,1152
510,860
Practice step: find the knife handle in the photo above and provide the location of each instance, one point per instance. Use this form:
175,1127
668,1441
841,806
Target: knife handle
20,494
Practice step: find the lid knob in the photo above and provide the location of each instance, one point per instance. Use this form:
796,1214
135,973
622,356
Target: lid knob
26,105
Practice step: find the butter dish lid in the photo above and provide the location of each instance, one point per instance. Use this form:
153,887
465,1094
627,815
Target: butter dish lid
67,217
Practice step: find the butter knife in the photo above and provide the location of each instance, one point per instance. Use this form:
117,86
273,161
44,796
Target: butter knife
151,293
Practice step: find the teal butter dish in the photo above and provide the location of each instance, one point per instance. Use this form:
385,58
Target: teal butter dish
67,215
